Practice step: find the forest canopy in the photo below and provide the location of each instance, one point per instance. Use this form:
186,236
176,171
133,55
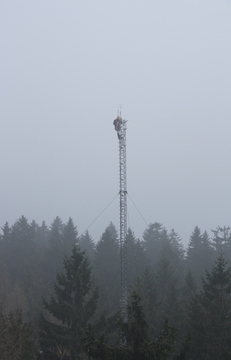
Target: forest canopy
66,288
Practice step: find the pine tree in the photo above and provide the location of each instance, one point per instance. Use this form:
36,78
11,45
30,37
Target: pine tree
72,306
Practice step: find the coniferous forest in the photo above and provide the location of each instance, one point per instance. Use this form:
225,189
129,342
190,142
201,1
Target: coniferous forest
60,294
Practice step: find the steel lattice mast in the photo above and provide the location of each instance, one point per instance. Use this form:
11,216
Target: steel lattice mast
121,127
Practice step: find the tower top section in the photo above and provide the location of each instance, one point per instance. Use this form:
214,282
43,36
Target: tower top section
120,127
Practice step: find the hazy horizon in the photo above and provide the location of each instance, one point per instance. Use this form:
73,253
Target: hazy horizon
66,67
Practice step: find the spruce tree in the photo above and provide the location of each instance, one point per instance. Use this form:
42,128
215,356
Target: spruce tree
16,341
222,241
107,270
55,251
22,255
136,258
87,244
72,306
138,344
5,245
168,294
188,289
149,296
69,237
41,237
199,255
178,252
210,315
154,238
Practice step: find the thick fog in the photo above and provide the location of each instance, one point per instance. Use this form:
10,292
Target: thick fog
67,66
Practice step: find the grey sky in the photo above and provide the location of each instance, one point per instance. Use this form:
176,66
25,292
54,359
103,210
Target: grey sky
66,66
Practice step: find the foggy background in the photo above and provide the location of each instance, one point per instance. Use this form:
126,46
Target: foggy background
66,66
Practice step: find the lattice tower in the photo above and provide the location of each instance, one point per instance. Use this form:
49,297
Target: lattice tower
121,127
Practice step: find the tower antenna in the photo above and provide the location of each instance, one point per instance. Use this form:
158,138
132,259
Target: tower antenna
121,127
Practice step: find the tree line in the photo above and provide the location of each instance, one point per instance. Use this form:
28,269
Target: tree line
60,294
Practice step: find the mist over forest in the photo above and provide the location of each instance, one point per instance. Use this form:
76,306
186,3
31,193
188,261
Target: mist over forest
67,69
60,291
